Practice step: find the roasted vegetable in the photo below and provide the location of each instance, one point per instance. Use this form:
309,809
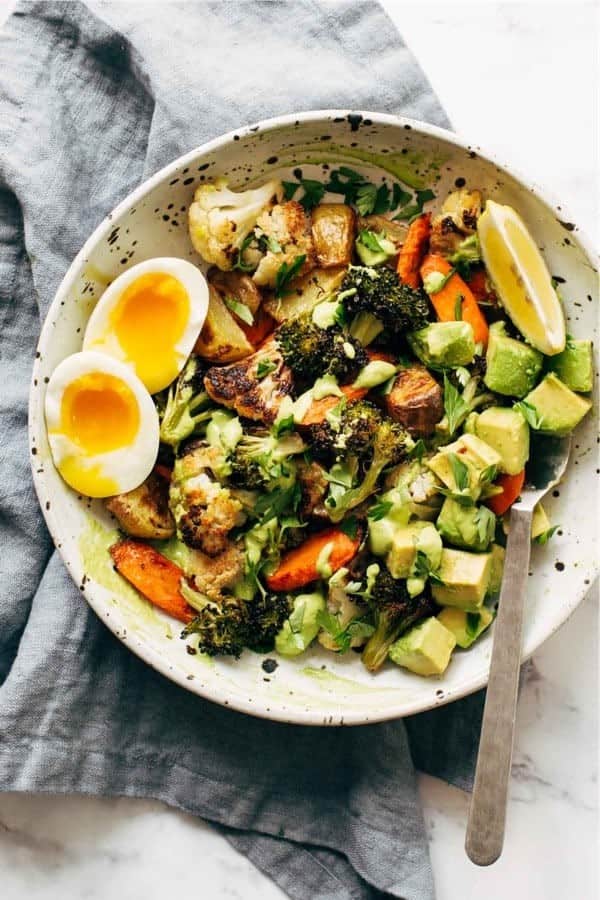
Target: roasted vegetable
222,339
333,227
329,549
451,296
255,386
286,234
394,611
415,400
351,432
264,460
220,219
155,576
305,294
375,300
456,219
311,351
144,512
188,404
238,286
413,251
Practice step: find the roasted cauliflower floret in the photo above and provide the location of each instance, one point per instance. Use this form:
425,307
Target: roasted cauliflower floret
456,220
144,511
220,219
212,575
204,510
286,232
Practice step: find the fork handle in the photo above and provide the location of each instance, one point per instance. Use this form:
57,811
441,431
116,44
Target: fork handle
487,815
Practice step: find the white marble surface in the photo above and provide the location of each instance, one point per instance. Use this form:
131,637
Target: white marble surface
522,79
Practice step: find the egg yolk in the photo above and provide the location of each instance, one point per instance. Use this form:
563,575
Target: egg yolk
149,320
99,413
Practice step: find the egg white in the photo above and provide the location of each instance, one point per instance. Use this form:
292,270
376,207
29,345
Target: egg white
100,336
127,466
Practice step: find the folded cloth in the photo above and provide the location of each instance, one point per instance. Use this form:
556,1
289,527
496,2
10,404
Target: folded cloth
93,99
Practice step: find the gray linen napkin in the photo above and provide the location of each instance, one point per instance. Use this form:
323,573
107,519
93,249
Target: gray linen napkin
91,100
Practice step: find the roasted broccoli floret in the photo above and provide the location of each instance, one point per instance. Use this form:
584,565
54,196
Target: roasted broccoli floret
188,404
390,446
220,220
204,510
352,431
262,460
376,300
394,611
226,625
311,351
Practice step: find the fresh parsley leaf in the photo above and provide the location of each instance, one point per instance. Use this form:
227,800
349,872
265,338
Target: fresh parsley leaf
268,242
370,240
286,272
472,624
366,197
345,181
418,451
460,472
343,637
457,304
416,208
289,189
239,259
461,499
529,413
265,367
545,536
349,526
484,522
400,197
314,191
283,426
239,309
379,510
455,407
423,569
487,475
382,200
423,197
277,502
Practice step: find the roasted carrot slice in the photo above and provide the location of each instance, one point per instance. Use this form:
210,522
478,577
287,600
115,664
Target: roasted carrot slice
155,576
164,471
300,566
453,295
318,409
511,485
413,250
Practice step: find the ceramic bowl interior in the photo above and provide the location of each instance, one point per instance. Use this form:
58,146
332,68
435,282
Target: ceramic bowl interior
318,687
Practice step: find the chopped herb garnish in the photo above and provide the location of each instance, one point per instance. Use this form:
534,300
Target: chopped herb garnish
283,426
458,303
382,200
349,526
314,192
472,624
545,536
366,198
416,208
370,240
289,189
460,472
423,568
400,197
239,259
343,636
239,309
379,510
529,413
286,273
265,367
418,451
456,408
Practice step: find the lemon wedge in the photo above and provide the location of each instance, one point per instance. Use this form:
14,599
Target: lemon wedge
521,278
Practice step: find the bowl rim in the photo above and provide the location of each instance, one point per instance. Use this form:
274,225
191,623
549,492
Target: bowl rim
216,693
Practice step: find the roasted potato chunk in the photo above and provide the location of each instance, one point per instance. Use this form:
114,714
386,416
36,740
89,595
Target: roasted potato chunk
395,231
456,220
416,401
237,285
333,231
240,387
221,338
144,512
305,294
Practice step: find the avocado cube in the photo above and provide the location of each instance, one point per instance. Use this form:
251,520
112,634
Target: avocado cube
466,626
465,577
425,649
512,367
444,344
558,408
507,432
302,627
469,527
498,553
574,366
474,453
407,542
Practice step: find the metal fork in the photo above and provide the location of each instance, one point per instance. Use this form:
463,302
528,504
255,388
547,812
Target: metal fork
487,814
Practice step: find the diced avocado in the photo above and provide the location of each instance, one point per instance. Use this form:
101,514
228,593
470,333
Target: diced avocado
474,453
469,527
470,426
559,410
466,626
575,366
465,577
507,432
539,521
407,542
498,553
302,627
382,530
512,367
444,344
425,649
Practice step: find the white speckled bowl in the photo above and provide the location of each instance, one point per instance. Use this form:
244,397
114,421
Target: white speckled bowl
317,688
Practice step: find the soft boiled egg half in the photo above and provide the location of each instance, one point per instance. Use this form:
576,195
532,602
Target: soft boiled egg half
150,318
102,425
